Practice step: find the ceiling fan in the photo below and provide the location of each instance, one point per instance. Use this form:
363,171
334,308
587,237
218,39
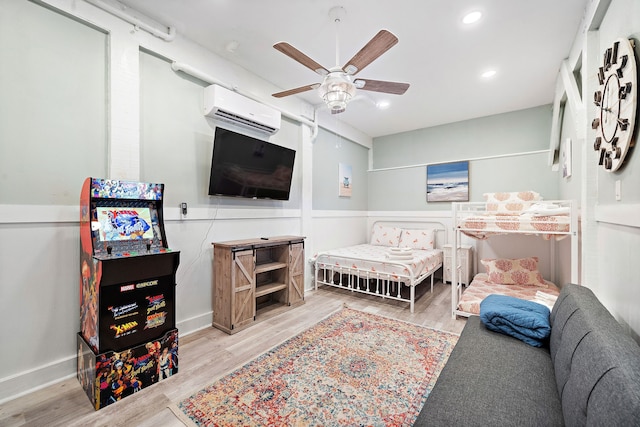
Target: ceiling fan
338,85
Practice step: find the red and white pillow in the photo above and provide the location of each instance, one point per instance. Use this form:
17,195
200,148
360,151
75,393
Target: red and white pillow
417,239
382,235
522,271
510,203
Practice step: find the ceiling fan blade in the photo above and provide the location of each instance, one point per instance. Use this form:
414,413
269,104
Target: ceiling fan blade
300,57
296,90
382,86
379,44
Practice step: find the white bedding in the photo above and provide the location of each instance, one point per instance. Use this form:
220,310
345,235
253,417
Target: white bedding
374,259
481,286
483,226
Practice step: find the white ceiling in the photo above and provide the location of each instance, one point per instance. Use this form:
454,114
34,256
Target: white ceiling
523,40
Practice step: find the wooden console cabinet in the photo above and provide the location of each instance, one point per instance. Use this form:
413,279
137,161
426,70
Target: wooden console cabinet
249,274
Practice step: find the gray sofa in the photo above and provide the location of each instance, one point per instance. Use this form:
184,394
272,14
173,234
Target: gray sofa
588,375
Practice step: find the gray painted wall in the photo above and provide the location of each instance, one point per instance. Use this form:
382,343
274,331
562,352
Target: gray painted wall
329,150
610,243
73,145
177,140
515,134
53,120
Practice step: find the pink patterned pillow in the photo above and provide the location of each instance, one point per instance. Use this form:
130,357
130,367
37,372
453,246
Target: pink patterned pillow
416,239
523,271
511,203
385,236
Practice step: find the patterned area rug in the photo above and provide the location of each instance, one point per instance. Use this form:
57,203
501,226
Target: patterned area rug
353,368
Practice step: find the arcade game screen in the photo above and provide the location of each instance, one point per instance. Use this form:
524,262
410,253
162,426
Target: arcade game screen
124,224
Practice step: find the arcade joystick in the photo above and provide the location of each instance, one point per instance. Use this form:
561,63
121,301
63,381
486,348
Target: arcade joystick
109,249
148,246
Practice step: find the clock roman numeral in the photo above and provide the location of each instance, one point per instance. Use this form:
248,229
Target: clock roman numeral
597,144
623,64
624,124
597,98
617,152
608,163
595,123
614,54
601,75
624,90
614,142
607,58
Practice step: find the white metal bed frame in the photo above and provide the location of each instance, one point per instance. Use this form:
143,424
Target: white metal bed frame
385,285
462,210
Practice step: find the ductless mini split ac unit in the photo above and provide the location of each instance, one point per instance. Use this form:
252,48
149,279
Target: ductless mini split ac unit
231,107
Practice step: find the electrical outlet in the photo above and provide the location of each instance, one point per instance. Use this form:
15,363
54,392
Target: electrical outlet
183,208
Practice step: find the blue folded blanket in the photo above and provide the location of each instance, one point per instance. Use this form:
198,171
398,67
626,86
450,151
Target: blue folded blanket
526,320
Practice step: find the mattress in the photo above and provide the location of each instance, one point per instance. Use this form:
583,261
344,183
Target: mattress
483,226
374,259
480,287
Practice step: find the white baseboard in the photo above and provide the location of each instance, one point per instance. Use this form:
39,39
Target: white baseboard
35,379
26,382
194,324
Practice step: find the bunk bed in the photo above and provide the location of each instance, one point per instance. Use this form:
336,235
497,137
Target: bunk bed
398,257
523,213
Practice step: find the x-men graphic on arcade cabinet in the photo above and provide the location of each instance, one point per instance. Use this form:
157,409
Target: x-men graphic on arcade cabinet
127,339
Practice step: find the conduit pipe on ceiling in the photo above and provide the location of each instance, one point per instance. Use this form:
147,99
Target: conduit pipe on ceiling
122,14
188,69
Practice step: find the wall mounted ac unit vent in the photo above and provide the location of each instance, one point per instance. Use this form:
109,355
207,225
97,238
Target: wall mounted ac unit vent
228,106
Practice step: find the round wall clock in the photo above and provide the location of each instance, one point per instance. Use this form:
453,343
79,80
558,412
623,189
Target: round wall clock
616,100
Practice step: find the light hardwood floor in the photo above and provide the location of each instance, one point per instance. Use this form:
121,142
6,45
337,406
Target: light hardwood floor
210,354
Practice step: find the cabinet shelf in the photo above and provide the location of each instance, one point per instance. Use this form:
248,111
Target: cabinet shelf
255,278
269,289
270,266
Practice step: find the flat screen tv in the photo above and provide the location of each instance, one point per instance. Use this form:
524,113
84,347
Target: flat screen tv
243,166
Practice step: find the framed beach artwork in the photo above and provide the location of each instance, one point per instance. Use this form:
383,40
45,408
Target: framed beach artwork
448,182
345,180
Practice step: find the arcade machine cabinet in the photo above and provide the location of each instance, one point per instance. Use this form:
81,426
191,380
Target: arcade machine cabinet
127,339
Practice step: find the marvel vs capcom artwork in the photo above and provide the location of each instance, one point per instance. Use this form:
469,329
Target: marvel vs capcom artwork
112,376
127,339
136,312
115,189
124,224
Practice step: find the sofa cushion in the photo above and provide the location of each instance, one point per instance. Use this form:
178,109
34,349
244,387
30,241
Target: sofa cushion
492,379
597,365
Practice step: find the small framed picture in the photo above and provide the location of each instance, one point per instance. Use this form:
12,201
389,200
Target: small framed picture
345,180
448,182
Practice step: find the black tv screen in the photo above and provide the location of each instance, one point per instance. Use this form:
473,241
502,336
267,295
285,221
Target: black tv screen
243,166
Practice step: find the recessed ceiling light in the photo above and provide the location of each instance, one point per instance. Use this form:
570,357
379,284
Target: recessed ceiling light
488,74
472,17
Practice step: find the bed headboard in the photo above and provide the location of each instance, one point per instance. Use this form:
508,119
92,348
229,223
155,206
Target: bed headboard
438,227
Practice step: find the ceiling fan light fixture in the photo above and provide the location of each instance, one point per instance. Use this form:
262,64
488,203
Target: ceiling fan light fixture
336,91
351,69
